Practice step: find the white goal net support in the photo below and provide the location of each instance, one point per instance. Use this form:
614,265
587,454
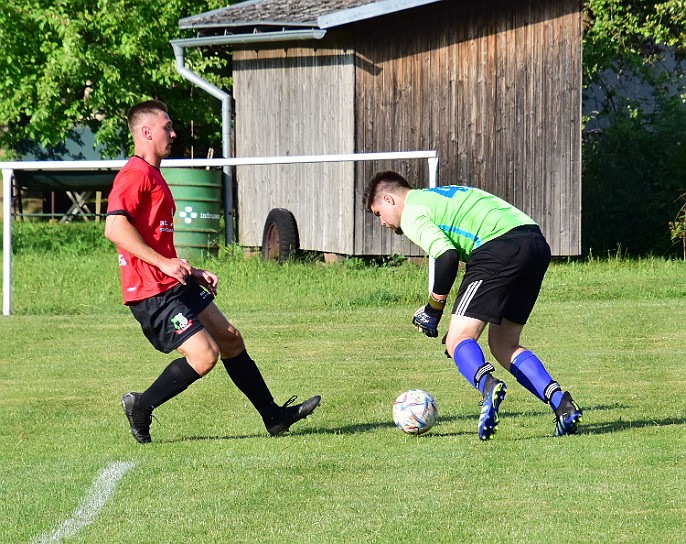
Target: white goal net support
8,169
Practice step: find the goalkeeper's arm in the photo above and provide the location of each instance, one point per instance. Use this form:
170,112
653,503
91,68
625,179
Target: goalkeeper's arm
427,317
445,272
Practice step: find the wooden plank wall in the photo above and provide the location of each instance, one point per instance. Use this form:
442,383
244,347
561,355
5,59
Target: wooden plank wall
495,86
296,101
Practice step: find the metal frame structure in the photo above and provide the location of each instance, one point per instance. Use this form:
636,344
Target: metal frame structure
8,169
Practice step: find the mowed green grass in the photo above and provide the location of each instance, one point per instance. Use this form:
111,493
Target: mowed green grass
613,332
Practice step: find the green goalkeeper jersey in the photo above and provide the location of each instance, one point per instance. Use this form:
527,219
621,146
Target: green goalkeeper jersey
457,217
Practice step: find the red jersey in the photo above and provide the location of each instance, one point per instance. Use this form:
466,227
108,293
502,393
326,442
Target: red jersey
140,193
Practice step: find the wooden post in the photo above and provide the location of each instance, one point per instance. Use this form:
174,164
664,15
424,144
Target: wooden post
98,205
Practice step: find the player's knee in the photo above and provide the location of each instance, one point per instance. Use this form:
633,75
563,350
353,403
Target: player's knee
503,351
207,358
454,340
202,363
450,345
231,343
201,351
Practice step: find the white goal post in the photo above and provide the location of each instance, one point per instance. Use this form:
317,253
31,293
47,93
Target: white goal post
8,169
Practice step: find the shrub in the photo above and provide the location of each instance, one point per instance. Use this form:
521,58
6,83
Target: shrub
69,238
633,174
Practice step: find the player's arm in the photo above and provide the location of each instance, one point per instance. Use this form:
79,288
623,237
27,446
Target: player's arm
206,279
120,231
427,317
427,235
445,272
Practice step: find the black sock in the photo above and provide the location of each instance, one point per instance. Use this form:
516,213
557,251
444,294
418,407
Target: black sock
173,380
244,373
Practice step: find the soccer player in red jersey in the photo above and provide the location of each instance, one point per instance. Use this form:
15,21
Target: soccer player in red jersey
173,301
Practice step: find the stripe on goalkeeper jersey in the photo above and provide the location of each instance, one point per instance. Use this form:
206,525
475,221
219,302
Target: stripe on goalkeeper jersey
467,297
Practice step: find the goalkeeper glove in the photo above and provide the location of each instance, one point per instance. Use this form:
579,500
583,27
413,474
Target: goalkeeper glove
426,318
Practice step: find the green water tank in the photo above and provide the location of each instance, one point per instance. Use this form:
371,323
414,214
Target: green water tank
197,193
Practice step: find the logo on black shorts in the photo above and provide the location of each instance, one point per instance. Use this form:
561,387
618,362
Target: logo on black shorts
180,323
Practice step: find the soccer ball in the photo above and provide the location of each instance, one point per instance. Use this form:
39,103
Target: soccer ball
415,411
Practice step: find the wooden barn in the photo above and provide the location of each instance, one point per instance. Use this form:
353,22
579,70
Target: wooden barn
493,85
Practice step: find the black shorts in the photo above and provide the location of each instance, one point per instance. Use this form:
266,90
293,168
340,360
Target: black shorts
503,277
171,318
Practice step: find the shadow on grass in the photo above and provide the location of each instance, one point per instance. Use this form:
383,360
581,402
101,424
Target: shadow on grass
373,426
604,427
620,425
601,427
356,428
349,429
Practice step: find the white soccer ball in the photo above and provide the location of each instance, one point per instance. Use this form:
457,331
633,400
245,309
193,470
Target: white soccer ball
415,411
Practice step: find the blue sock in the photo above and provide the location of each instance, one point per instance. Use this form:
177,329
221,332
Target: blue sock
528,370
470,362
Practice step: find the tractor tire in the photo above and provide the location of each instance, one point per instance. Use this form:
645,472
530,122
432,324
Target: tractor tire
280,238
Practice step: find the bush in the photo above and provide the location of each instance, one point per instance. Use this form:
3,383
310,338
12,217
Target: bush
66,238
633,174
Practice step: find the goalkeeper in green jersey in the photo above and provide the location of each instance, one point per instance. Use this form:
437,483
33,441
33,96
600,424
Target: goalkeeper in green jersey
506,256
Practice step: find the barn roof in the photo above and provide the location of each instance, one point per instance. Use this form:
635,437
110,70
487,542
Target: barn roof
295,13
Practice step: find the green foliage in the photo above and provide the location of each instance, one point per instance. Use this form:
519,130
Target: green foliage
77,63
623,32
634,165
63,238
633,171
677,227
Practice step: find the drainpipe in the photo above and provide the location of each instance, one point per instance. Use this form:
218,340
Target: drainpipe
225,98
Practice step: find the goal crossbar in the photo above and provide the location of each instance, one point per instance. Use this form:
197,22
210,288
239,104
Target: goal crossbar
9,167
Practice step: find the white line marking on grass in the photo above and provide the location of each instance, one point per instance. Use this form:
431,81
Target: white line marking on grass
88,508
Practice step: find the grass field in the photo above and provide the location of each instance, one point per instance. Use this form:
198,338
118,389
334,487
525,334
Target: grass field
613,332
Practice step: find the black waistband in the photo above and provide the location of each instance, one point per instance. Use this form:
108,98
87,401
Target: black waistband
525,228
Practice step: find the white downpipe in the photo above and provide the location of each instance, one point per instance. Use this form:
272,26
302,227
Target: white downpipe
225,99
181,45
7,175
211,89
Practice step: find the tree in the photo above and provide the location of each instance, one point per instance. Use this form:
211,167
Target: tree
621,33
634,161
70,63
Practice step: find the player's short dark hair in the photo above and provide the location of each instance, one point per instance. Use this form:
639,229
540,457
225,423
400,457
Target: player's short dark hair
144,108
384,181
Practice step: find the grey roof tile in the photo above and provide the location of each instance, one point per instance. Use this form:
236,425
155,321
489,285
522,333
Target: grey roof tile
271,12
